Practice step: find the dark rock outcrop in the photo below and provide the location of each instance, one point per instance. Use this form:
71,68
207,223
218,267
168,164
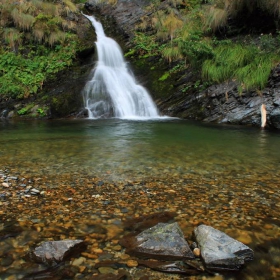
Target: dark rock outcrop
223,104
126,13
219,251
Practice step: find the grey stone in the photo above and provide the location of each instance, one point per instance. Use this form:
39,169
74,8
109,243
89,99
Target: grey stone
164,241
35,191
219,251
53,252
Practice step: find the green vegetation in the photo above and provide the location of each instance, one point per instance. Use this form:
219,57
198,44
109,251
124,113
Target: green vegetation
37,41
200,34
208,37
247,64
25,110
164,77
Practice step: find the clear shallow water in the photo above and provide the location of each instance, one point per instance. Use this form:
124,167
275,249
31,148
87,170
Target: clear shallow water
225,176
122,149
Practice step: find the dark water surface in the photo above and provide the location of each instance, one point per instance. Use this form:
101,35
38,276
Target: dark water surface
225,176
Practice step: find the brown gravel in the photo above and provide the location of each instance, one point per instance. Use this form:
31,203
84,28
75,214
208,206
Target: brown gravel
97,211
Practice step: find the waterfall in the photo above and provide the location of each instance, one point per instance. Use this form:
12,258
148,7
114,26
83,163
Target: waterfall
113,91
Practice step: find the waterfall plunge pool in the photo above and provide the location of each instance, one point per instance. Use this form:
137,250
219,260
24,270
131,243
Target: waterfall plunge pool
225,176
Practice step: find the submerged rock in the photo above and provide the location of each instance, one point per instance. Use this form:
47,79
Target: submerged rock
148,221
177,267
163,241
219,251
53,252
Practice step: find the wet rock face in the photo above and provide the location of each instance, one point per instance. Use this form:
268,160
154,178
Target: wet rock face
53,252
126,13
223,103
219,251
163,241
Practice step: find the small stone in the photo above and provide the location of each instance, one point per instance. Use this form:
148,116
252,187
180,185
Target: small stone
89,256
124,256
245,238
5,185
97,250
11,277
268,226
132,263
35,191
79,261
106,270
117,248
196,252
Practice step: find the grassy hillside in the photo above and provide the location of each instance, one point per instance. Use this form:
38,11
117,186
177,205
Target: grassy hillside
38,39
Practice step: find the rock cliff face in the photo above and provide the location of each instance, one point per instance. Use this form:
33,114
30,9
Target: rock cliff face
223,104
218,103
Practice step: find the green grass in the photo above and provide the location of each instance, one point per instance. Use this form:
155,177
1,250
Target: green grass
248,65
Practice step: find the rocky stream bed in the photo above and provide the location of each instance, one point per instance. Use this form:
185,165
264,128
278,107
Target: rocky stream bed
101,213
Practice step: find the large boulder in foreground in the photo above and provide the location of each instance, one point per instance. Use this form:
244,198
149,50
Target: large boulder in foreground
53,252
162,241
219,251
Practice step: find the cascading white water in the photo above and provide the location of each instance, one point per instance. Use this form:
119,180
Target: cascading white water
113,91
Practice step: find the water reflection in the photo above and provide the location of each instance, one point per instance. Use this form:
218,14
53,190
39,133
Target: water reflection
134,148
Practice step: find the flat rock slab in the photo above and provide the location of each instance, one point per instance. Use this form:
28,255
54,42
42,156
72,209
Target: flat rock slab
162,241
53,252
219,251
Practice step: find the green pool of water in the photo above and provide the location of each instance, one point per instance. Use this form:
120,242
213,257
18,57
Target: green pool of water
129,149
225,176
